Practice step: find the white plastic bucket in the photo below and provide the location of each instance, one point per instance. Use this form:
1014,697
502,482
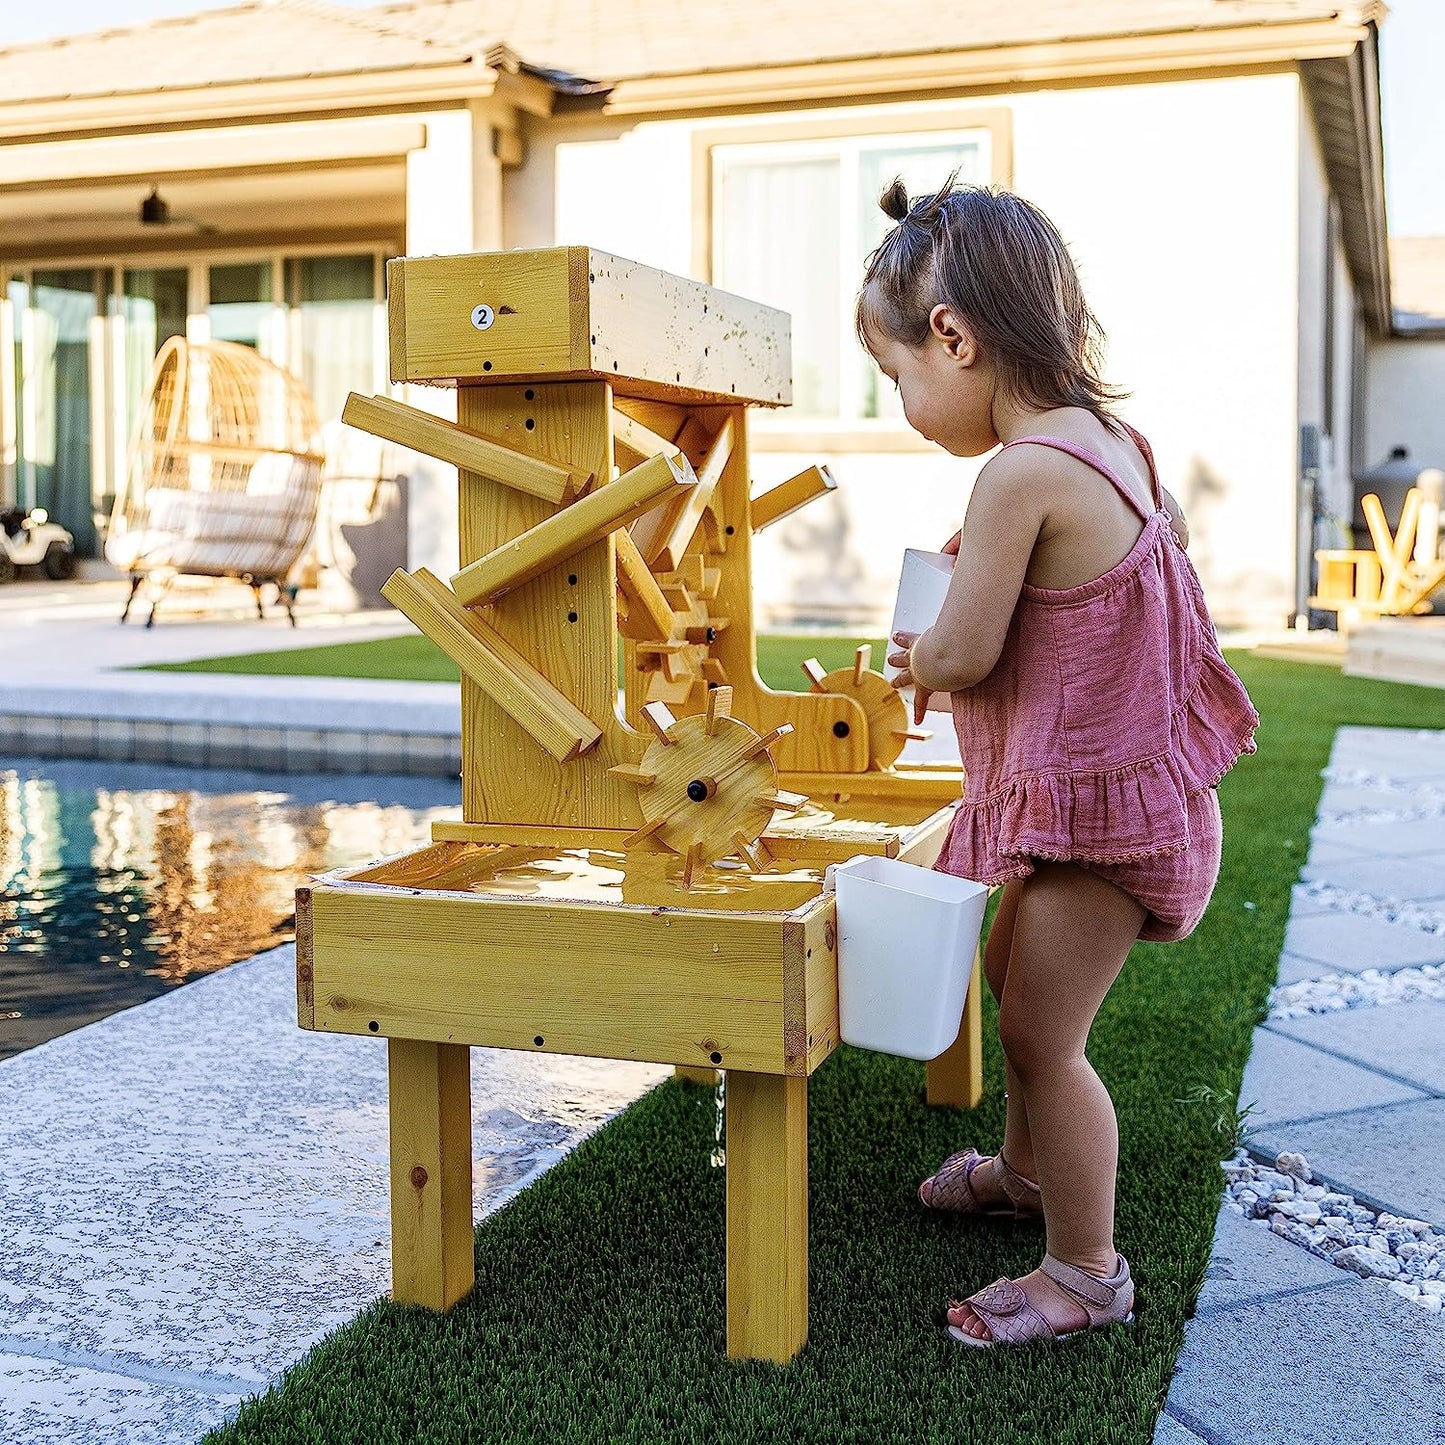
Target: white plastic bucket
906,943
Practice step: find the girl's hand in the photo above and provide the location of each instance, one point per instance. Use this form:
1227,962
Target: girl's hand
950,547
903,661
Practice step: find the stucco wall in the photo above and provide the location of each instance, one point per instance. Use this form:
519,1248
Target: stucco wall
1327,361
1180,201
1405,400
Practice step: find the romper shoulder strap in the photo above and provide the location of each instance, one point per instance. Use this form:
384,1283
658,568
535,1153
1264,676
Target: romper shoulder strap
1094,460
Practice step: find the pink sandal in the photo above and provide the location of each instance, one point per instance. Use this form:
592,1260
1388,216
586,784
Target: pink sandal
1004,1308
950,1189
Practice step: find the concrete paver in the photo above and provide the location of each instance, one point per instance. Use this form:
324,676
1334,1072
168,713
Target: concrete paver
1352,942
1248,1263
1388,1157
1354,1364
1399,878
1406,1040
1411,837
184,1215
1286,1079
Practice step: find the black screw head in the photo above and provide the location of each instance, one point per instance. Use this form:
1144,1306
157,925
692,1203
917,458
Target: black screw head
841,729
716,1058
539,1041
697,790
373,1026
571,617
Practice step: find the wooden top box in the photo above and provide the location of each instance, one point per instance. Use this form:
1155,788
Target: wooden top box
573,314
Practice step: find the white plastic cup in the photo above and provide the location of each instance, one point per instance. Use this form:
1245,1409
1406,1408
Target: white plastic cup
907,937
922,586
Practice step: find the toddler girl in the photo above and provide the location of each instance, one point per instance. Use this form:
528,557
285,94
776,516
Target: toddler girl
1095,713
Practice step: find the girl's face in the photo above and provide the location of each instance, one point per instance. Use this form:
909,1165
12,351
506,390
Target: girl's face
946,384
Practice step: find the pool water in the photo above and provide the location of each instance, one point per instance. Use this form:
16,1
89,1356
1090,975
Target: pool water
119,882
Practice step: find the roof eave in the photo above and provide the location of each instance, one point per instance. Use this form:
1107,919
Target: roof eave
359,92
999,66
1344,96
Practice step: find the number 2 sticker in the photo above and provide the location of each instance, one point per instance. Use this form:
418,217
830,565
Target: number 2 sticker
482,317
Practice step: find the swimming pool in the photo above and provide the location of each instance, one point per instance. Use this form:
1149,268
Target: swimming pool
121,881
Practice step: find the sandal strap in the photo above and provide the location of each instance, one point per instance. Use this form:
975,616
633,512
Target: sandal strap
1098,1297
952,1180
1005,1309
1022,1193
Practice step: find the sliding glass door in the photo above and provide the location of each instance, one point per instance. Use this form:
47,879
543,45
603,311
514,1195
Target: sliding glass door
63,326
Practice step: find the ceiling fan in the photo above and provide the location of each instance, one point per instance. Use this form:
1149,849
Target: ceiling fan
154,211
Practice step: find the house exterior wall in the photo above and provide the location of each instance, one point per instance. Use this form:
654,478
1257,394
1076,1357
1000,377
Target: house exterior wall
1329,347
1405,399
1180,201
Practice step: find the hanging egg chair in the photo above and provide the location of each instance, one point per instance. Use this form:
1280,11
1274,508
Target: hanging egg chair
223,477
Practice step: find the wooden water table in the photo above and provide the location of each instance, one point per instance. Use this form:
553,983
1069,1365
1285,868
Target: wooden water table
642,881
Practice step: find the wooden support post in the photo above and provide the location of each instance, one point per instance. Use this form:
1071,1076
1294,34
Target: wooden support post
649,618
572,530
662,537
485,656
955,1077
767,1216
776,503
430,1089
689,1075
433,436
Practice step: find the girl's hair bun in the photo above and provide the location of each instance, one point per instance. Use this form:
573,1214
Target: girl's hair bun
894,200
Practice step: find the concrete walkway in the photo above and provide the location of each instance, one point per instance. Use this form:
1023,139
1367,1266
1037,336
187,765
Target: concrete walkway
1286,1346
72,689
194,1191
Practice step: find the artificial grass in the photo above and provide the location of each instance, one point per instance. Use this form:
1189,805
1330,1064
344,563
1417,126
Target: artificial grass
599,1308
414,659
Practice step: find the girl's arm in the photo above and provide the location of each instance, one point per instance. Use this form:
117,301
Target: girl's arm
1005,516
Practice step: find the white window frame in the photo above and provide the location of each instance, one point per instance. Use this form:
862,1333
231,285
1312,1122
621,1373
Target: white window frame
844,139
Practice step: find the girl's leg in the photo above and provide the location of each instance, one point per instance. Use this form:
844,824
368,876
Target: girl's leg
1018,1147
1071,933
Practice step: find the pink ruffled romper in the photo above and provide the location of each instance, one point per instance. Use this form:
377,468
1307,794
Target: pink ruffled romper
1100,734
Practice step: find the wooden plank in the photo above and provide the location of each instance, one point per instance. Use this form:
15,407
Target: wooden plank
536,834
572,530
784,499
639,439
570,313
549,718
767,1216
430,1093
829,732
408,426
649,618
305,973
955,1077
396,319
610,981
564,621
943,785
668,556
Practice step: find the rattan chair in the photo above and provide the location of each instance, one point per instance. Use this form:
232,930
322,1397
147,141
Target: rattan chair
223,477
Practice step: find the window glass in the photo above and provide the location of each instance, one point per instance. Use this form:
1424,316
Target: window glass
333,301
924,168
793,223
153,306
63,309
12,401
241,304
777,244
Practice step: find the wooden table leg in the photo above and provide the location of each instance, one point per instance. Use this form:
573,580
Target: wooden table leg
690,1075
431,1172
955,1077
767,1216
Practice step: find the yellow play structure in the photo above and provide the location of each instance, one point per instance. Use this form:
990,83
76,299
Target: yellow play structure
635,883
1398,576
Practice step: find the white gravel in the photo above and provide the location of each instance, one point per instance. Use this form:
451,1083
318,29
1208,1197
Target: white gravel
1408,1254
